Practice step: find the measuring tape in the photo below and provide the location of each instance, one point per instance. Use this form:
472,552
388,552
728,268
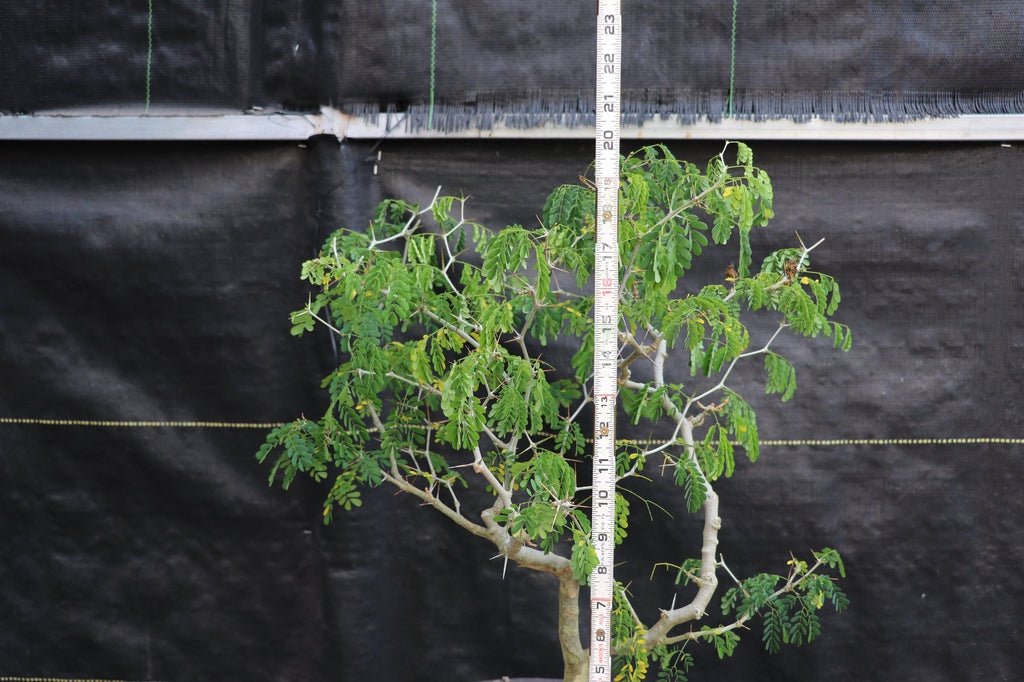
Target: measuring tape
606,333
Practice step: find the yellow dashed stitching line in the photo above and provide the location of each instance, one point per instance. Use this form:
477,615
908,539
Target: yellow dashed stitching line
53,679
137,425
857,441
897,441
779,442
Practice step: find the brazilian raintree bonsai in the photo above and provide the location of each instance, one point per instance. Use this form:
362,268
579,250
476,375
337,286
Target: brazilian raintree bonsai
443,394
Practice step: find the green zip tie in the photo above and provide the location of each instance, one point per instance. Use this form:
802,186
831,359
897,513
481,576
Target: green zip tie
433,62
732,56
149,54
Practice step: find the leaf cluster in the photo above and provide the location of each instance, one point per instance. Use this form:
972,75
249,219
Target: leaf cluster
633,659
788,605
442,325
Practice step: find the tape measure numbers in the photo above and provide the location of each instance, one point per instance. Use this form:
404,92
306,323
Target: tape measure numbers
606,332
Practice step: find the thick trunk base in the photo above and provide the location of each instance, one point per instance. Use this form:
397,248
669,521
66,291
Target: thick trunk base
576,658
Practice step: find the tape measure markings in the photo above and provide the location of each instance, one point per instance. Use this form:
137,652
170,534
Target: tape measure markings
606,331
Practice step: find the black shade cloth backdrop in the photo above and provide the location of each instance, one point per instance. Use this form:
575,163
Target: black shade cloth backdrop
152,282
523,63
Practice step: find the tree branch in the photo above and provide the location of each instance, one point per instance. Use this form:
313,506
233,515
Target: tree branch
721,383
527,557
480,467
575,658
406,487
451,327
791,584
406,380
693,201
708,581
409,225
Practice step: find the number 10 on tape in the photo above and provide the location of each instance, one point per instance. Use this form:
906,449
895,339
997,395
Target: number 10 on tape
606,332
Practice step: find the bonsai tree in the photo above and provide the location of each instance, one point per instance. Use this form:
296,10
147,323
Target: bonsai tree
443,392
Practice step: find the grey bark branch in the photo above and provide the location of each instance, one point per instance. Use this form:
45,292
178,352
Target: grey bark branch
574,656
728,370
406,487
791,584
480,467
451,327
707,580
410,225
516,550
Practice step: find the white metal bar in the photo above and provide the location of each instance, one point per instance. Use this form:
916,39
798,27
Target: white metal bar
296,126
256,127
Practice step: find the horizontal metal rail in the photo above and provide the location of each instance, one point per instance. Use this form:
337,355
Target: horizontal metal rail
257,126
166,127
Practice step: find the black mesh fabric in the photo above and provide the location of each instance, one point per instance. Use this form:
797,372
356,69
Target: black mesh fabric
221,54
523,63
152,283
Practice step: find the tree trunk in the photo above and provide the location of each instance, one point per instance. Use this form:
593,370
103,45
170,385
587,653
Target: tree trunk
576,658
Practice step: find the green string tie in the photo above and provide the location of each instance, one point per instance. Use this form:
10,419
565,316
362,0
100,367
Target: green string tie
149,54
732,57
433,62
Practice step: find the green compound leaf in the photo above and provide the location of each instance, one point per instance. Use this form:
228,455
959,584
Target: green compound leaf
781,375
689,478
774,629
744,155
832,559
725,642
568,205
461,405
583,558
504,253
742,424
302,322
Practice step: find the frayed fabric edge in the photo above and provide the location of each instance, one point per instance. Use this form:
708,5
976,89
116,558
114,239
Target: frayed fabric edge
537,109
